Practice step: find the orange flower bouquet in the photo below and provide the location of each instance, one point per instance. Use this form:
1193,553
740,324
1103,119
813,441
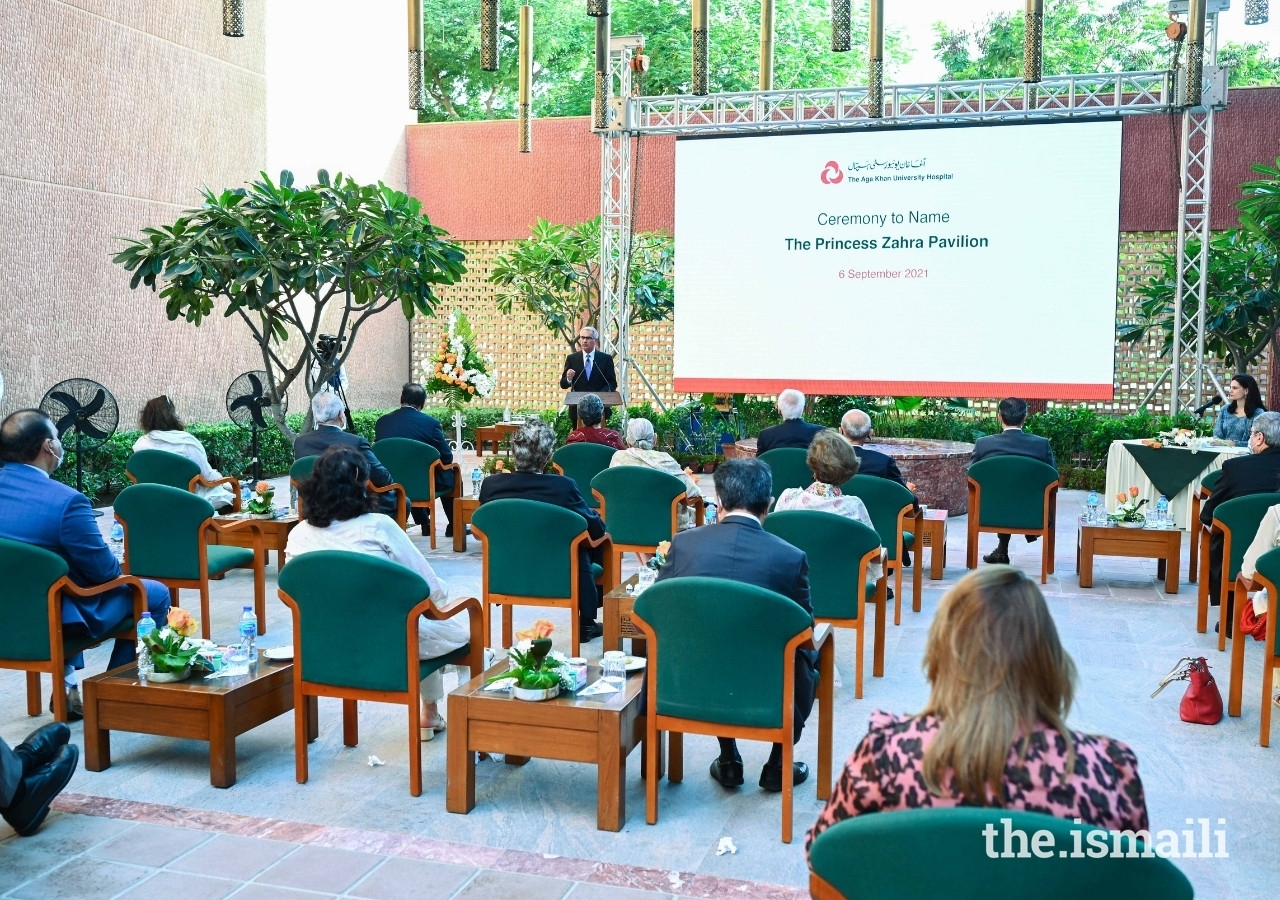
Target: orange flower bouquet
172,650
1128,509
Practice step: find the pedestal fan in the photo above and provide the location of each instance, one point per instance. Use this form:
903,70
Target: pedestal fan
84,413
249,406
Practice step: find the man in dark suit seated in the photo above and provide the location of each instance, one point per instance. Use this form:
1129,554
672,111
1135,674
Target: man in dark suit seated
855,425
330,416
409,421
33,773
531,451
35,509
1012,441
1257,473
590,369
737,547
794,431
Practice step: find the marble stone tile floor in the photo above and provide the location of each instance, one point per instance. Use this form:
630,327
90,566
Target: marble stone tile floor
533,833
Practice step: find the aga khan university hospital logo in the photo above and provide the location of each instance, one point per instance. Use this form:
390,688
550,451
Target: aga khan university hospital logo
831,173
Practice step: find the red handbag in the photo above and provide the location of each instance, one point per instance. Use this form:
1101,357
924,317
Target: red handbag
1202,703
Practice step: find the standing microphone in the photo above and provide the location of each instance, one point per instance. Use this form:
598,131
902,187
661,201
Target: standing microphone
1212,401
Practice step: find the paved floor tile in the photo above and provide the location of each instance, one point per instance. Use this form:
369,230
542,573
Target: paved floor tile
82,879
150,845
609,892
229,856
272,892
490,885
411,879
23,861
182,885
319,869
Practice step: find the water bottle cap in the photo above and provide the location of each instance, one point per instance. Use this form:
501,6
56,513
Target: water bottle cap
248,609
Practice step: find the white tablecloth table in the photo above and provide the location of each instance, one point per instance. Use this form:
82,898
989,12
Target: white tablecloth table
1123,470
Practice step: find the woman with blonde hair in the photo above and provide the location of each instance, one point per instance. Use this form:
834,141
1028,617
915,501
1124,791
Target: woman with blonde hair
994,731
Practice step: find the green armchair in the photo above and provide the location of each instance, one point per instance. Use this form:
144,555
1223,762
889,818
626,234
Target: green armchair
414,466
642,507
1207,484
1266,577
1013,495
790,468
161,467
891,507
582,462
1238,520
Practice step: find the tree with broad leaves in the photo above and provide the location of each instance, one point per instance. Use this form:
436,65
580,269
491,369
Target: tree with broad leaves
1260,217
284,258
555,274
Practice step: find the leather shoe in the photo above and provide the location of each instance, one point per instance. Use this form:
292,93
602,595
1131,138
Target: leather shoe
448,532
42,745
771,776
729,774
75,709
36,791
589,631
997,557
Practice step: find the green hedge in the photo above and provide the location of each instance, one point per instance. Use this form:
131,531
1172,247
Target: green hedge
1080,437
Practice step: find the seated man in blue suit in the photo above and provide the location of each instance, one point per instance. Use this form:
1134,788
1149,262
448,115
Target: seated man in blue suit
737,547
409,421
1012,441
35,509
794,431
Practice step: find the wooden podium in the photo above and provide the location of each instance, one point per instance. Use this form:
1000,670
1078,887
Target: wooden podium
610,399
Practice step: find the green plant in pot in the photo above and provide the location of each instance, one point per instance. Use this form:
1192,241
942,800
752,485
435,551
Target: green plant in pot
172,653
536,673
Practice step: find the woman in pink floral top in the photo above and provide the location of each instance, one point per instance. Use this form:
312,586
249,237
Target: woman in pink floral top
993,733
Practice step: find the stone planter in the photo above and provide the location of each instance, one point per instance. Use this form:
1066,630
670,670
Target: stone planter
535,693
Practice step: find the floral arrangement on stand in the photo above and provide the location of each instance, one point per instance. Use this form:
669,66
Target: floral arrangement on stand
173,652
1128,513
261,503
457,371
1177,437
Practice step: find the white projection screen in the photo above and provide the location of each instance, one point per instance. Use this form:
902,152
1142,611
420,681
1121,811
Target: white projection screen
974,261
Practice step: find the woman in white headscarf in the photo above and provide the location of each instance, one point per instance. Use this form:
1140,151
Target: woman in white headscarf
640,452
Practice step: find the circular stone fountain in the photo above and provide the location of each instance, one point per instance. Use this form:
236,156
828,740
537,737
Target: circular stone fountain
937,468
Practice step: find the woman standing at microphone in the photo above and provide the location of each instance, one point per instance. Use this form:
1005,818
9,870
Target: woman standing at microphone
1236,417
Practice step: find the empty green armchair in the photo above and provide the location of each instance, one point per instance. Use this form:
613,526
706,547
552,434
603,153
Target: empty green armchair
1238,520
722,662
1013,495
1207,484
530,558
582,462
840,551
959,853
167,535
31,637
642,507
355,643
162,467
892,510
414,466
789,467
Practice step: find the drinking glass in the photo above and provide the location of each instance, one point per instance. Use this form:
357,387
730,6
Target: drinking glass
647,577
614,664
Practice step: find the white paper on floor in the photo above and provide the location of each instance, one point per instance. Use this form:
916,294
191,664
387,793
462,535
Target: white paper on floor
374,761
725,846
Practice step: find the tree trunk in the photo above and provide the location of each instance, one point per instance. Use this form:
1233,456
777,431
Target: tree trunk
1272,400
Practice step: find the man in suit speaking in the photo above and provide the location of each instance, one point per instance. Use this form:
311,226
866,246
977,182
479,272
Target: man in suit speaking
1012,441
590,369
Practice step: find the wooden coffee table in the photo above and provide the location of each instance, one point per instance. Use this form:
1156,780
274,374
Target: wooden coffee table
1164,544
216,711
463,507
275,535
618,605
933,534
494,434
601,730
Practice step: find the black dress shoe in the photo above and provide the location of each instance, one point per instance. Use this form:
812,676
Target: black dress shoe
590,631
42,745
771,776
36,791
75,709
729,774
997,558
448,532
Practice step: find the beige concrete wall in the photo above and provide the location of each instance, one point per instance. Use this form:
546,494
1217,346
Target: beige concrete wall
114,114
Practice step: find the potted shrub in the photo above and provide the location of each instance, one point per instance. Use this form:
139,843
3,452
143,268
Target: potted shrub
536,673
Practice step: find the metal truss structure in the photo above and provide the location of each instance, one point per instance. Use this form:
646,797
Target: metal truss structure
1001,100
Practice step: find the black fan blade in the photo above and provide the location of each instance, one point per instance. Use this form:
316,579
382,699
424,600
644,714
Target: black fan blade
63,425
99,400
88,429
257,385
254,405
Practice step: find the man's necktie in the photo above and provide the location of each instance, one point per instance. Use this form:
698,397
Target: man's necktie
588,367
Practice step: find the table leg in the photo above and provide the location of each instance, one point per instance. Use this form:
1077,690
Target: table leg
611,776
313,718
612,631
97,741
279,560
1171,567
877,644
938,554
1160,568
675,756
222,747
460,764
1085,560
1235,687
639,647
459,537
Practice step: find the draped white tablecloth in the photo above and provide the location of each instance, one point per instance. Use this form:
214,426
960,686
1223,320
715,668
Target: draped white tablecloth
1123,470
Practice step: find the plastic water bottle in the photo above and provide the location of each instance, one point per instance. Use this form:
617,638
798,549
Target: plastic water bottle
1162,512
476,477
506,414
246,493
1091,508
117,542
248,633
709,516
146,625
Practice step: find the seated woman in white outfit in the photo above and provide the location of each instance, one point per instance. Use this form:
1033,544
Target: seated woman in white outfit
1254,618
640,452
340,515
163,430
832,461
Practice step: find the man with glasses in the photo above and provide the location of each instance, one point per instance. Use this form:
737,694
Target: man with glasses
590,369
1257,473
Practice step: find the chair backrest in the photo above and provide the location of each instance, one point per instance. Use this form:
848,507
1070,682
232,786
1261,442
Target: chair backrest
915,854
1269,568
885,501
1241,517
835,547
582,462
300,471
1210,481
720,652
349,635
1013,490
409,463
162,530
29,572
161,467
790,468
637,503
528,546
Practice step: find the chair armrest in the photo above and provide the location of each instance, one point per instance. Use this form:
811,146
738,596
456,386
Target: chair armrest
130,581
556,466
821,634
235,487
449,610
240,525
610,577
698,506
402,501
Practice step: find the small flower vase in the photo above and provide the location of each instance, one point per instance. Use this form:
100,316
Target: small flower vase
169,677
